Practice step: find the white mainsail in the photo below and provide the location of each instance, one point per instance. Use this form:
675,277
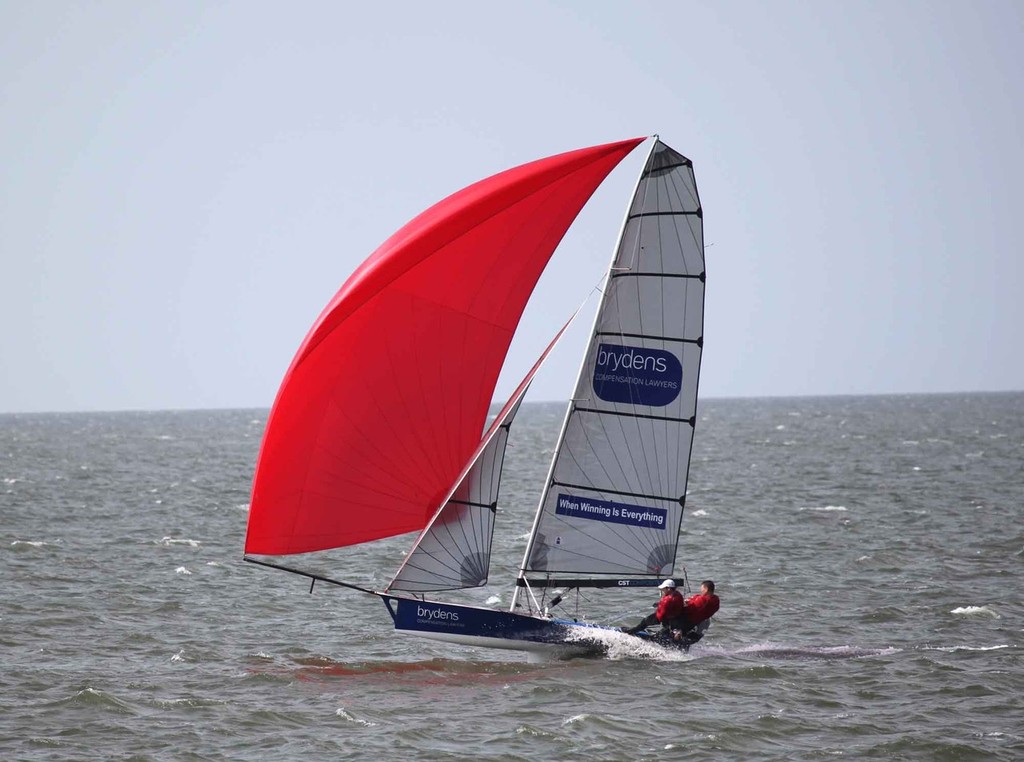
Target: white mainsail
614,500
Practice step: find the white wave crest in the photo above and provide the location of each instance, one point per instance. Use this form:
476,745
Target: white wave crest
954,649
183,570
807,652
975,611
619,645
824,508
346,716
574,719
168,541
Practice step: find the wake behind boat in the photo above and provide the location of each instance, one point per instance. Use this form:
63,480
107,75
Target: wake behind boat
376,429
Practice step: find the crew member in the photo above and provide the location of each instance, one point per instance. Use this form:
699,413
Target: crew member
670,609
699,608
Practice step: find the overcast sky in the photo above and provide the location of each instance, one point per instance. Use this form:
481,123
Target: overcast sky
184,185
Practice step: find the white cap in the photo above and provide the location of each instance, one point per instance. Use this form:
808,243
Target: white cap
667,583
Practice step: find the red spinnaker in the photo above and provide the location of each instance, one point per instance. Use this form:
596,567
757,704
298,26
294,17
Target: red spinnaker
386,399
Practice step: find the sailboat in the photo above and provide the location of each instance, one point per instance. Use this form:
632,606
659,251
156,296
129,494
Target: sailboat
380,426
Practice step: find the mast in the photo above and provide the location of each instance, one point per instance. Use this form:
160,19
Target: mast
622,460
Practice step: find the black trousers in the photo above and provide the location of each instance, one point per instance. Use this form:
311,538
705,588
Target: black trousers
650,620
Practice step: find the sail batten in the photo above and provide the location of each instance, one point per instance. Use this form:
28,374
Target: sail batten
621,493
625,414
639,215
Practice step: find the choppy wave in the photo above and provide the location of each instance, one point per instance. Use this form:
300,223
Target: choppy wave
833,636
94,698
35,544
345,715
975,611
170,541
809,653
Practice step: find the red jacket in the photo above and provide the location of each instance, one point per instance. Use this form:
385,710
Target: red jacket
700,607
670,607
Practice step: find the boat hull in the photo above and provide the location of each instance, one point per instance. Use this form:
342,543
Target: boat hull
665,640
489,628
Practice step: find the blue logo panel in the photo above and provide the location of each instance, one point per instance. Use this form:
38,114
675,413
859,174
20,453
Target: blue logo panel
637,376
470,621
606,510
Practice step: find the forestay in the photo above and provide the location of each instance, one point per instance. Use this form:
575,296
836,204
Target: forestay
616,492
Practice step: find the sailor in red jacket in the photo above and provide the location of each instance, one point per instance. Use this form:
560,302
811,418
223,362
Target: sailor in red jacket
700,608
669,612
674,613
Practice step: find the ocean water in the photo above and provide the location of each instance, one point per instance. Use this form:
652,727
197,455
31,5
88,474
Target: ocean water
868,552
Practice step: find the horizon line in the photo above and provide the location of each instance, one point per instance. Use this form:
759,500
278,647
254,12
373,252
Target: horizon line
499,403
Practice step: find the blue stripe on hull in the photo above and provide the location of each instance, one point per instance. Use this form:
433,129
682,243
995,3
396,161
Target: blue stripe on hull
480,626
